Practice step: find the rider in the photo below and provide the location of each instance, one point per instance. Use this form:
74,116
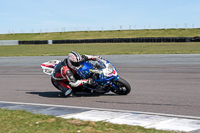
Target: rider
65,76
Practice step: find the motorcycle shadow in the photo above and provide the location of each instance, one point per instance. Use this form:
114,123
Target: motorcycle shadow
54,94
85,94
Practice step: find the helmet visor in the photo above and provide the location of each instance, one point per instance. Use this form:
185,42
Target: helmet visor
76,64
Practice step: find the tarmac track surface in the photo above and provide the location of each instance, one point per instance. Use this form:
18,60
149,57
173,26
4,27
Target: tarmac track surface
168,84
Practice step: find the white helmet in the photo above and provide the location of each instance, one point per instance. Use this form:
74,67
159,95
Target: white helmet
74,60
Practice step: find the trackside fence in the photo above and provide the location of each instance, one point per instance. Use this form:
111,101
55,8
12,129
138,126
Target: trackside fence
112,40
125,40
118,40
9,42
34,42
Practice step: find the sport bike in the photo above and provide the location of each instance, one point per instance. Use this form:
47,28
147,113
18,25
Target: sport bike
103,73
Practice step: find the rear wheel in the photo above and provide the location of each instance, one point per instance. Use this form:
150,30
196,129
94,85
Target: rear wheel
124,87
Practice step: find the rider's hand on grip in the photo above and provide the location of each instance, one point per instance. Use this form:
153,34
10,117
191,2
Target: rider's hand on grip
90,81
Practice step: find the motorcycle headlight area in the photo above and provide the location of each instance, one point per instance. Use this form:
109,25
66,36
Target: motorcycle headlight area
110,68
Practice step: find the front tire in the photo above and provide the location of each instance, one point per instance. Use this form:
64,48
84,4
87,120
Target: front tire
123,85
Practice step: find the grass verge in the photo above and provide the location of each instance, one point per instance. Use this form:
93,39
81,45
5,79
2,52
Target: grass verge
15,121
104,34
101,49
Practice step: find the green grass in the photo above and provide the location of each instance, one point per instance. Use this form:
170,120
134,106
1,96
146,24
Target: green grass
100,49
104,34
13,121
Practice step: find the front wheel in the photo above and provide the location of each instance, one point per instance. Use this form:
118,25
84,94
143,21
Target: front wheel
123,87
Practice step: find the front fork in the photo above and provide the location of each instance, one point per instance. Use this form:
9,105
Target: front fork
112,84
107,82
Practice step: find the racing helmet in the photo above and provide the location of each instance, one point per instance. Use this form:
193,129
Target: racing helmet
74,60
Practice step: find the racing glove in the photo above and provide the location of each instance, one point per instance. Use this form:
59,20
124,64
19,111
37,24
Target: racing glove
90,81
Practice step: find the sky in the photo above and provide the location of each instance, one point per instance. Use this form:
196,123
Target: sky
31,16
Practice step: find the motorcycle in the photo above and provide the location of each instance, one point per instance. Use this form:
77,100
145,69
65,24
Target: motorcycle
103,73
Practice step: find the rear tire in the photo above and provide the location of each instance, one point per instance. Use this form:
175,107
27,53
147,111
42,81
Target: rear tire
123,85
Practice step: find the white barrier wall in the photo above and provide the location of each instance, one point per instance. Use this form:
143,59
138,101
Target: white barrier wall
50,41
9,42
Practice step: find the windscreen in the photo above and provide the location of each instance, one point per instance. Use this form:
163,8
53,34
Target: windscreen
98,64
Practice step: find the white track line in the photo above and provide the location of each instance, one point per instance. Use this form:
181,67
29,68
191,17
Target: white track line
100,109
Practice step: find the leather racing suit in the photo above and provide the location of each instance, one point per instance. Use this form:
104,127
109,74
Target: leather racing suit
65,78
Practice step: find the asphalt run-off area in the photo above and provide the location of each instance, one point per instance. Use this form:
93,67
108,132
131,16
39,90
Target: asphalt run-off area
165,89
